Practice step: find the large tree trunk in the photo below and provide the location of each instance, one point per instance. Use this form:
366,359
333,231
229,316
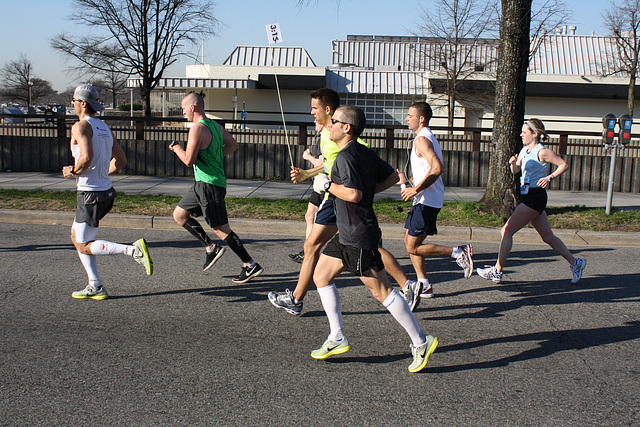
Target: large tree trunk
513,60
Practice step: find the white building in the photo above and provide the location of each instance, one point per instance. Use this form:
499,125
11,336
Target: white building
569,84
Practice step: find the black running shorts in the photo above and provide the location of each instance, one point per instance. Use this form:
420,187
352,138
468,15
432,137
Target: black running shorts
356,260
206,200
315,199
536,199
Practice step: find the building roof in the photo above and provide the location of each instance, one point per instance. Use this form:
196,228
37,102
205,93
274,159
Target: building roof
267,56
575,55
557,54
404,65
189,83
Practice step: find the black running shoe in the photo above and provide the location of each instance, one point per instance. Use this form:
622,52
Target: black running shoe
212,257
248,273
299,257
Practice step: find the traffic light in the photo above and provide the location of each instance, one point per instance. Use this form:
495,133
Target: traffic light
625,129
609,132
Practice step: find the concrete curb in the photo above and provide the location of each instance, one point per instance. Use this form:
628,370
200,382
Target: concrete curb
297,228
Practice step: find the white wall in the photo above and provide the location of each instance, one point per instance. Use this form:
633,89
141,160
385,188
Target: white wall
260,100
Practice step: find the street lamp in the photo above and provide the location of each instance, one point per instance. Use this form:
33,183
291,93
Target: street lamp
30,84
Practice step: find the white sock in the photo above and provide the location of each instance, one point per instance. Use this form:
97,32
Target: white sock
331,304
102,247
400,311
456,252
91,267
425,283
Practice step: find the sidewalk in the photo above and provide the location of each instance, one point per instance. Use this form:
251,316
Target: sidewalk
176,186
131,184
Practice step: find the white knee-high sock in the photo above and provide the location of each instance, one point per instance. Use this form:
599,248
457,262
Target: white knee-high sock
103,247
400,311
91,267
331,304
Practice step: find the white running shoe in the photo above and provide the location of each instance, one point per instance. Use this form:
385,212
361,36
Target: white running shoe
465,261
428,292
577,269
489,272
411,294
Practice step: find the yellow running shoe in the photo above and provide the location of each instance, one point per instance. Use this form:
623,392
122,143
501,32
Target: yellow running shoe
330,348
422,352
142,257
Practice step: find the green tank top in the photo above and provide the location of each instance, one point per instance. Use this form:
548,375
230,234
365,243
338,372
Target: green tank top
209,166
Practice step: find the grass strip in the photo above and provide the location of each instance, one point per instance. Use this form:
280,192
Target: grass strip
462,214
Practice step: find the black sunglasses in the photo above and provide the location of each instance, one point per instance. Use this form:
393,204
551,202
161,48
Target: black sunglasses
334,121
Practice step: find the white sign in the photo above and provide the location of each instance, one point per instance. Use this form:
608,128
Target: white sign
273,33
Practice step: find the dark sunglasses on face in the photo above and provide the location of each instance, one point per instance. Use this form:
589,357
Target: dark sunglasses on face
334,121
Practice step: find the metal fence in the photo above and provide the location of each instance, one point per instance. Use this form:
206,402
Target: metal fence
263,153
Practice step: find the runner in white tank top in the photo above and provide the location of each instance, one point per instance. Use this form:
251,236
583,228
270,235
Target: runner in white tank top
96,154
433,195
427,192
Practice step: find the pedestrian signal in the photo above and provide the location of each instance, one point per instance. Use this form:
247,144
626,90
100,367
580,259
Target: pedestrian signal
625,129
609,132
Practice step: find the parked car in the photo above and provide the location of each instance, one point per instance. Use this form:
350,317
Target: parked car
11,110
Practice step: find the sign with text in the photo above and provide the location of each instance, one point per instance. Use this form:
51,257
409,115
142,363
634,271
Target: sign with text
274,34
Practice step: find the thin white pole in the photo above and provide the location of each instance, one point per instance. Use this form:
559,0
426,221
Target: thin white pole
286,133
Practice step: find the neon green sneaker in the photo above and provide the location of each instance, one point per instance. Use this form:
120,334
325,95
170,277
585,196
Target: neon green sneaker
422,352
142,257
91,292
330,348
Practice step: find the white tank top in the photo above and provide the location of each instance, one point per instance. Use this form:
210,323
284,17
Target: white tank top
433,195
96,178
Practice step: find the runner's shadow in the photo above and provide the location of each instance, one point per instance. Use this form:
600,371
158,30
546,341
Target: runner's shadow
594,289
371,360
549,343
35,248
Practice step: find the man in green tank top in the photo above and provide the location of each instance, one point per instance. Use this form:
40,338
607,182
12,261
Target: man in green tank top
207,145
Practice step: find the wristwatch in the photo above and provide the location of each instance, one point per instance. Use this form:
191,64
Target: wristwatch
327,185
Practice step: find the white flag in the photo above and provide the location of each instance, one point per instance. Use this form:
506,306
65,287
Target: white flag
273,33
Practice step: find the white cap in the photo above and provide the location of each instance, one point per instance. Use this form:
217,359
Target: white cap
90,95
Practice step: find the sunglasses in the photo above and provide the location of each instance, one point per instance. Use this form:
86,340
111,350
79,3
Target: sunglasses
334,121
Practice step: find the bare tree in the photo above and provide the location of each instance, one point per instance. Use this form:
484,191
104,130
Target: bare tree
143,37
455,31
461,43
511,82
623,20
110,77
545,17
19,84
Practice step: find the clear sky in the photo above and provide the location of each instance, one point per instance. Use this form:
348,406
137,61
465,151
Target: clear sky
28,26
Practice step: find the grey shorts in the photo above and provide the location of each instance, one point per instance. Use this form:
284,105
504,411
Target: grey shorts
94,205
206,200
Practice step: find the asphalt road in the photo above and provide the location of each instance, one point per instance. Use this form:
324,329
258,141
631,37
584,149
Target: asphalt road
183,347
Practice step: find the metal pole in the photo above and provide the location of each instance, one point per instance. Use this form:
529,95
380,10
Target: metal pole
612,172
131,109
